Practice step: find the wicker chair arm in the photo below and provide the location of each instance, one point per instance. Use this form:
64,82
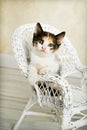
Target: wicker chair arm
54,91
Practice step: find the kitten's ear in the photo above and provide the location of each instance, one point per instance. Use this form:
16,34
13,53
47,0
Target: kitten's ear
38,29
60,37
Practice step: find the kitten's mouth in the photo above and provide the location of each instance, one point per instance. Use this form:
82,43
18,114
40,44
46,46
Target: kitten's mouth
43,50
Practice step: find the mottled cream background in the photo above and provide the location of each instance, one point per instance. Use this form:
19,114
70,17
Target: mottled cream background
66,15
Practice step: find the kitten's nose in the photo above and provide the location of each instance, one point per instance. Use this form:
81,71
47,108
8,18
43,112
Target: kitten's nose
43,49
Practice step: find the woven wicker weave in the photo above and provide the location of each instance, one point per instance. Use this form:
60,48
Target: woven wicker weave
54,91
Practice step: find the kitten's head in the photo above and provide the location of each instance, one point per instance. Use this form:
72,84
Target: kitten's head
46,42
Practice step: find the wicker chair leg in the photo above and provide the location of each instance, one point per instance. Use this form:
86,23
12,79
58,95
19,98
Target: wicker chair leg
19,121
58,116
65,120
30,104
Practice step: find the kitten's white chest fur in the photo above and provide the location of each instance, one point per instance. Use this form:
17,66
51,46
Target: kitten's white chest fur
45,64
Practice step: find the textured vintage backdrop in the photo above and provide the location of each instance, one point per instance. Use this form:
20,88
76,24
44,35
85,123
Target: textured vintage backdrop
66,15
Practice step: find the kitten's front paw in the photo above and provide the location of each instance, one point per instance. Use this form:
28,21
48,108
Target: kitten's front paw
43,71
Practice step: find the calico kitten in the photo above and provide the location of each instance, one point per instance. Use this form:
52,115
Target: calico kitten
43,54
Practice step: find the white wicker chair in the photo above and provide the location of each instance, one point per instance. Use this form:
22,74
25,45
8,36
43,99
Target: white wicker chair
69,101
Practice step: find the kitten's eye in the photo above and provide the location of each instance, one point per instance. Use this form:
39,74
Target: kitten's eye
50,45
41,42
